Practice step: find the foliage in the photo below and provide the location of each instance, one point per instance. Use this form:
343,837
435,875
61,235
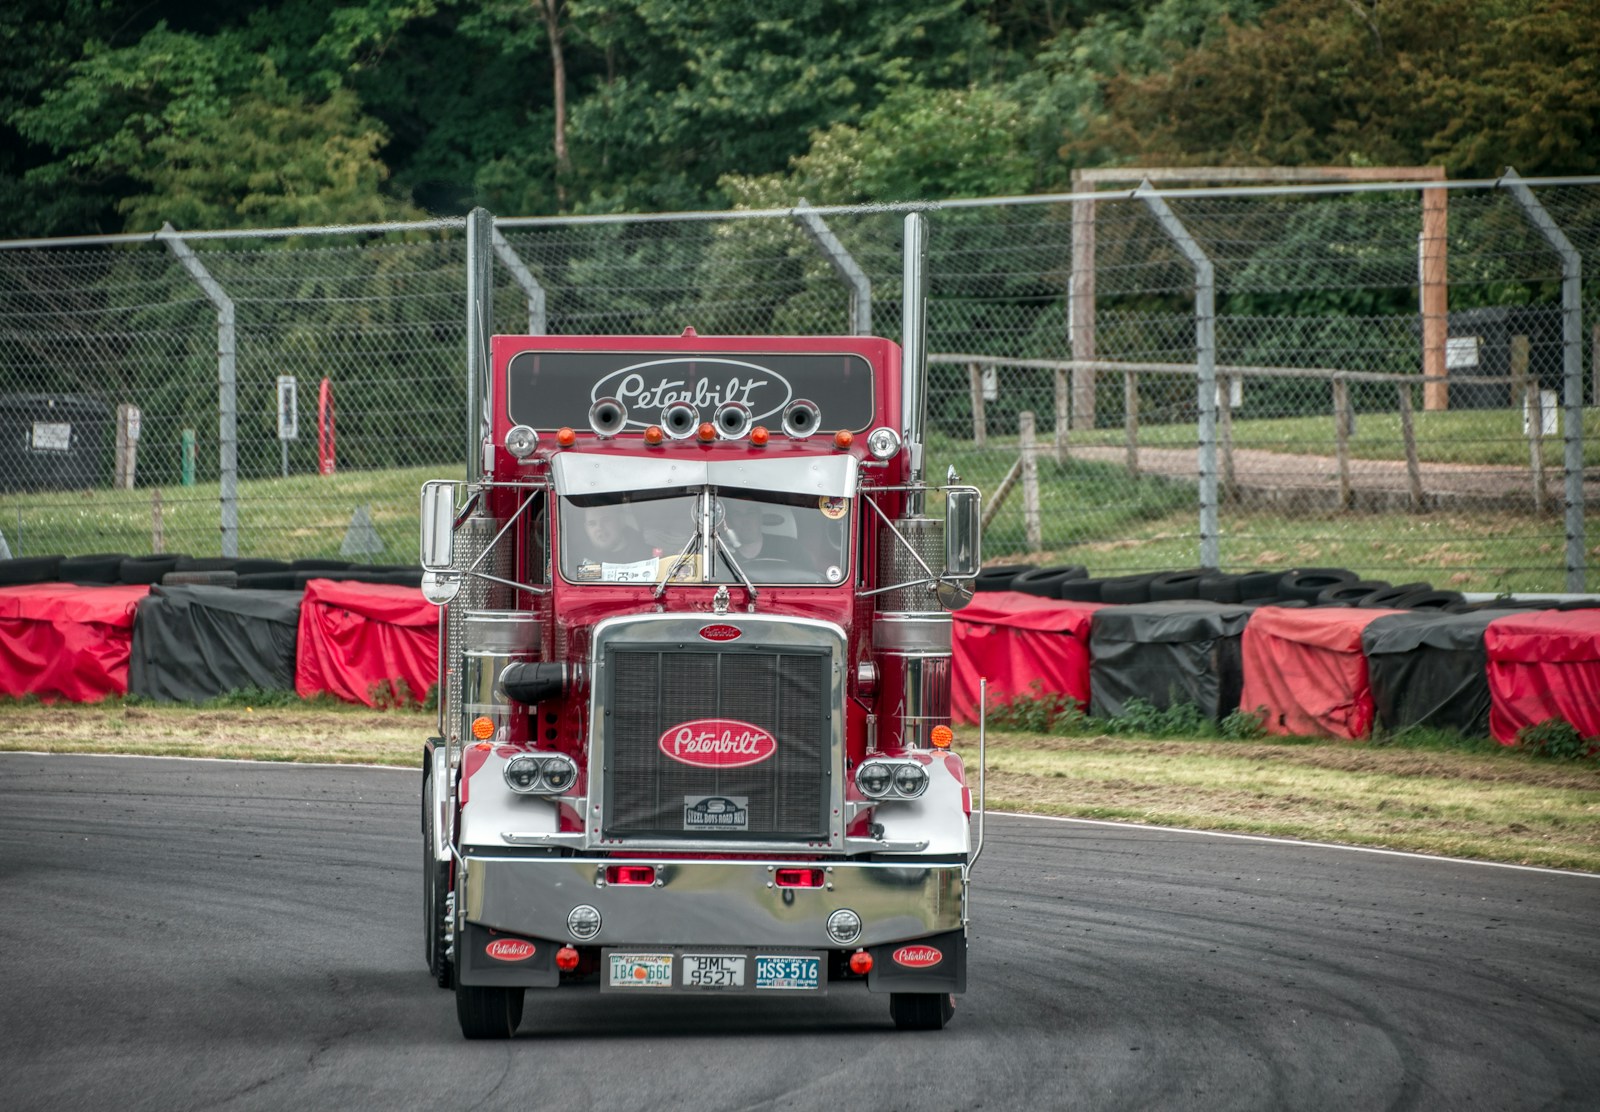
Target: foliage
1558,739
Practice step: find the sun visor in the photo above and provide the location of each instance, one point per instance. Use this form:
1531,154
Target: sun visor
577,474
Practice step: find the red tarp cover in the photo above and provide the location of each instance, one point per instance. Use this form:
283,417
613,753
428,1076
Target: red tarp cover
358,639
61,641
1543,664
1014,640
1307,669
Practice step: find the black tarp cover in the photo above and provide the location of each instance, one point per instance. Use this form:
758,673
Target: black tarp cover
1430,669
1166,653
193,643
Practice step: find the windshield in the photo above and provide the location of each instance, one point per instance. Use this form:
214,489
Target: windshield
648,537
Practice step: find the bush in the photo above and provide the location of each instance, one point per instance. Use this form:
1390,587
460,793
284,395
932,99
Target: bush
1559,740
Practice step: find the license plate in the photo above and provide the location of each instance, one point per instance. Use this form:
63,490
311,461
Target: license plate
640,971
787,972
713,971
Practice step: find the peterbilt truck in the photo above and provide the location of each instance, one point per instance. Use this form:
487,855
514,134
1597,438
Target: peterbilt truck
694,731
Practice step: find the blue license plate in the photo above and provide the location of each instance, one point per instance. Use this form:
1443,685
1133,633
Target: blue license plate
788,972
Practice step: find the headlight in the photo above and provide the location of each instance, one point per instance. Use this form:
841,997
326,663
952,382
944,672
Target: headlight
540,773
910,780
521,441
875,778
883,442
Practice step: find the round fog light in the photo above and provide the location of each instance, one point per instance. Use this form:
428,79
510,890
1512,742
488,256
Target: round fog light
584,922
844,926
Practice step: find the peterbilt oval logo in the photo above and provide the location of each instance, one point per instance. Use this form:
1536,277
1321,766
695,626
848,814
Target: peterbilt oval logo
718,743
705,382
720,632
509,949
917,957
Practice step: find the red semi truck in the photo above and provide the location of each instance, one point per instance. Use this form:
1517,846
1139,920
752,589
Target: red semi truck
694,672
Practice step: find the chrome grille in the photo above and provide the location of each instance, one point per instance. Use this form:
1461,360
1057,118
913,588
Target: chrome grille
651,690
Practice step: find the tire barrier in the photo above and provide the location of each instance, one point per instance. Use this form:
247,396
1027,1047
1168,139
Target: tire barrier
29,569
1176,585
1045,582
97,570
148,569
1308,583
1394,598
1351,593
999,578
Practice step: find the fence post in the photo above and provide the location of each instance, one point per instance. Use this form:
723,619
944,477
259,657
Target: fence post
1341,438
980,423
1408,435
1080,314
480,326
1130,419
1571,370
531,289
1030,481
844,265
1063,418
1229,488
1205,350
227,402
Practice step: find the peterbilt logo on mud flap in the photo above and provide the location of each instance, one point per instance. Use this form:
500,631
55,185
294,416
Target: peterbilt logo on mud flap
509,949
917,957
717,743
716,812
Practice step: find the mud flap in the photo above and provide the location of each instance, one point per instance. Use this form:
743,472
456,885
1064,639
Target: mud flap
937,963
490,957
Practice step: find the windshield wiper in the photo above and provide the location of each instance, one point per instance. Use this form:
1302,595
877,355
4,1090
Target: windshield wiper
737,570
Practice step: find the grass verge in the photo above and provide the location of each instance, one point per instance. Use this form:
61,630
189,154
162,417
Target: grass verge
1409,794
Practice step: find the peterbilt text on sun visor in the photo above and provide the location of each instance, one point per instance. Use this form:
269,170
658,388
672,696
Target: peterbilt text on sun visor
550,389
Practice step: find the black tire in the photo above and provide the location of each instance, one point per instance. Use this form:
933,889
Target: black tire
318,563
1308,583
1441,601
1259,585
1045,582
29,569
1394,598
97,569
1351,594
1176,585
268,580
207,563
488,1012
921,1011
999,578
200,579
147,569
1218,586
1127,589
1080,590
435,893
253,565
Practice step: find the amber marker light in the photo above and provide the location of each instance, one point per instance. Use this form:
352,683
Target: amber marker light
842,438
861,963
653,436
708,432
941,736
566,438
483,727
759,436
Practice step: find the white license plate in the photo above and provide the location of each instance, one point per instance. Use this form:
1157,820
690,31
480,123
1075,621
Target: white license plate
787,972
640,971
713,971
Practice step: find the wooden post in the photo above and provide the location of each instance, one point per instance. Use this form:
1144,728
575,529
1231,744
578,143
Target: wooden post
158,540
1000,493
126,465
1030,481
980,424
1409,435
1230,489
1130,419
1341,435
1527,389
1435,297
1062,418
1080,305
1594,363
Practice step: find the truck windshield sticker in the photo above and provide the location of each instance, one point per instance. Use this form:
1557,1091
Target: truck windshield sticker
716,812
549,389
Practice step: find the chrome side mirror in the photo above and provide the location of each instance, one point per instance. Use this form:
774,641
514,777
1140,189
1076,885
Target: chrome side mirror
438,524
963,540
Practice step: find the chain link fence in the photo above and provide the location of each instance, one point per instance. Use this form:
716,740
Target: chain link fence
1395,379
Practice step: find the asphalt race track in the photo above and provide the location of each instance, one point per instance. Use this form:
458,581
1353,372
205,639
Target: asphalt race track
199,934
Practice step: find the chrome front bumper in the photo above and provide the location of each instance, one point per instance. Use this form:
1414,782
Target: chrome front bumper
704,903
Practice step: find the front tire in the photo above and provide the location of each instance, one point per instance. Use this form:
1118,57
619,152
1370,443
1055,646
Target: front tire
921,1011
435,899
488,1012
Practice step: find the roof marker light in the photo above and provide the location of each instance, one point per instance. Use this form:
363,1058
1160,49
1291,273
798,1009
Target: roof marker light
708,432
653,436
566,438
759,436
941,736
483,727
842,439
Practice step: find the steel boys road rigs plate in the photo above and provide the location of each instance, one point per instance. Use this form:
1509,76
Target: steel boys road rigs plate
697,972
